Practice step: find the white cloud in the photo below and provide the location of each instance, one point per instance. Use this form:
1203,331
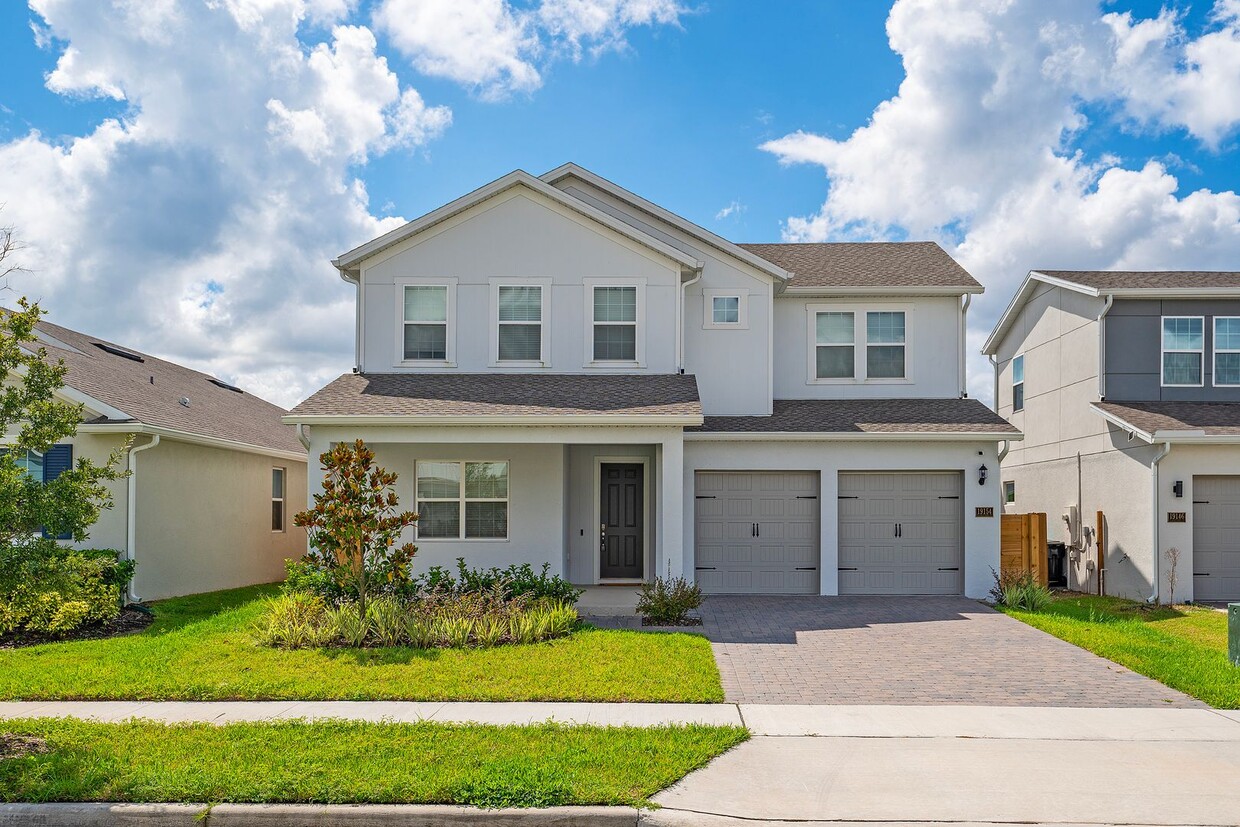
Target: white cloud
734,208
976,149
200,224
500,49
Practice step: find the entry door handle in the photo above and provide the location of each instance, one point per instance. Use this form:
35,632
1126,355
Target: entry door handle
602,540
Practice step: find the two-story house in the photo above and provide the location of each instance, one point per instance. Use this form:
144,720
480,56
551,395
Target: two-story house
563,372
1127,388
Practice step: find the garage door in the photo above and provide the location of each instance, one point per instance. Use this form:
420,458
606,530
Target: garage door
1216,538
900,533
756,532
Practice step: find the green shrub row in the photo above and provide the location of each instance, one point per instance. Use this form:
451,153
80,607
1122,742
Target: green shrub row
52,590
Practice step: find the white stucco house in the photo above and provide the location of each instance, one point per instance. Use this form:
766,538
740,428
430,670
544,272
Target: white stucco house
215,476
561,371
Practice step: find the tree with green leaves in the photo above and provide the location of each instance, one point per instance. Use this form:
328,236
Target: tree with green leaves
355,524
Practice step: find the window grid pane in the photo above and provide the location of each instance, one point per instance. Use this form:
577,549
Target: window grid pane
486,520
1018,369
835,329
1227,368
1181,333
884,327
277,515
426,304
426,341
1018,396
835,362
615,343
439,519
520,304
884,361
726,309
615,304
1181,368
520,342
277,482
486,480
439,480
1227,333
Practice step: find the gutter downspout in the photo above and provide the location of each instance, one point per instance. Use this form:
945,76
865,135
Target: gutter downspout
301,436
1102,347
680,321
964,381
131,525
1153,598
994,363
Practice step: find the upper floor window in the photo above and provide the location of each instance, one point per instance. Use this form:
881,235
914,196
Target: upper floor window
462,500
1183,350
835,348
277,499
884,338
520,323
426,322
615,323
1018,383
725,309
1227,350
32,464
845,350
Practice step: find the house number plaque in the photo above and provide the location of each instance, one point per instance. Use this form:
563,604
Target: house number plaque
985,511
1177,516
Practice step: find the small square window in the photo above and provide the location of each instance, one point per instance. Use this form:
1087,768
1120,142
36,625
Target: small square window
726,309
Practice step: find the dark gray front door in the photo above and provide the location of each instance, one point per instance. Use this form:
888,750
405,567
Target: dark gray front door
623,525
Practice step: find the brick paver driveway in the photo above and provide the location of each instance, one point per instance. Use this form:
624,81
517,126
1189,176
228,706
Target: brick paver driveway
907,650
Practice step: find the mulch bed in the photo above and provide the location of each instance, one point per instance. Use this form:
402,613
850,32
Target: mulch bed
129,621
19,746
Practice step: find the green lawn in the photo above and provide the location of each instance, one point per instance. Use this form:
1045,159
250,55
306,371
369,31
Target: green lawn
201,648
1183,647
487,766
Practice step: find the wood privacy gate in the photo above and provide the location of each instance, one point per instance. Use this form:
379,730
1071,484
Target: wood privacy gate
1022,545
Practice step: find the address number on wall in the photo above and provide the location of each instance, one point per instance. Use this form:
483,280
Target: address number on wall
985,511
1177,516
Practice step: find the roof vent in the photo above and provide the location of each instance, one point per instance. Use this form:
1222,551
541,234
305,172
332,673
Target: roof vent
116,351
185,401
221,384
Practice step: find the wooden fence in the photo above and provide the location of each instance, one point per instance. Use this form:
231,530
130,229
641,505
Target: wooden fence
1022,544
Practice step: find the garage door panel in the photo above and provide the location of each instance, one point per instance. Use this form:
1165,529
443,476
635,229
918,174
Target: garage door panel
1216,538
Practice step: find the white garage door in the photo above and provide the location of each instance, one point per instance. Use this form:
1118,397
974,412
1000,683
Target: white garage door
900,533
756,532
1216,538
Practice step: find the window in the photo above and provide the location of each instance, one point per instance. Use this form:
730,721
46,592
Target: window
1018,383
1227,350
462,500
425,318
725,309
615,324
277,499
520,323
32,464
1009,492
1183,349
884,340
834,348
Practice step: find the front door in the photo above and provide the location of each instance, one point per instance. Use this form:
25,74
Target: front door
623,524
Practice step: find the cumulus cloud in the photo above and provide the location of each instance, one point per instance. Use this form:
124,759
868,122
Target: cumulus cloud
500,49
977,148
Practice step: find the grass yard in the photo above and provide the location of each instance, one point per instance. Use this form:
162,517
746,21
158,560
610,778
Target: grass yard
486,766
1183,647
201,648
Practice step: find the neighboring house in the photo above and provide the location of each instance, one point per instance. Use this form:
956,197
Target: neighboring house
562,372
216,476
1127,388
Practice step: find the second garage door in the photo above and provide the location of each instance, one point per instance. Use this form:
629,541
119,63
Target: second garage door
756,532
900,533
1216,538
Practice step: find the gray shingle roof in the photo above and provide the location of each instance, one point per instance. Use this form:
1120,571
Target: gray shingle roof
1147,279
1212,418
866,416
504,394
867,264
126,384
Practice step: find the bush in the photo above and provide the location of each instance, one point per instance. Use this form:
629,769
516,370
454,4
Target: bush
52,590
1020,590
667,602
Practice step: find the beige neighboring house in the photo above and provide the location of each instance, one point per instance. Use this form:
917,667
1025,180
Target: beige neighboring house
216,477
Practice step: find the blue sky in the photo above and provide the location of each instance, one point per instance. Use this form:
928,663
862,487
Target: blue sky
756,105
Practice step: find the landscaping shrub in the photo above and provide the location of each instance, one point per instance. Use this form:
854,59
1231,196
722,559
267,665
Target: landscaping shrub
668,601
1020,590
513,582
52,590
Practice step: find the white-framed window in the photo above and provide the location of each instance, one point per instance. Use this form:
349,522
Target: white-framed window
615,314
32,464
1183,351
1227,350
1009,492
725,309
426,323
520,320
462,500
1018,383
856,343
277,500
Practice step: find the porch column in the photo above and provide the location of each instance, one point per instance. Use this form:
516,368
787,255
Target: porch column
671,551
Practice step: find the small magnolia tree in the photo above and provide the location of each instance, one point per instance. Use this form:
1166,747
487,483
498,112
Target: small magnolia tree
354,526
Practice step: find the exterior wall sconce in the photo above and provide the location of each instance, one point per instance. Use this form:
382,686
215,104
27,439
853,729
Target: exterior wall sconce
1178,488
981,475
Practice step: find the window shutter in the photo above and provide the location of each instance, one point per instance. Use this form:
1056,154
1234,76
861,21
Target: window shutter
57,460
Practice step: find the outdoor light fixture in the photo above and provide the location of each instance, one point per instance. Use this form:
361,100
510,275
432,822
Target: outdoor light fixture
1178,488
981,475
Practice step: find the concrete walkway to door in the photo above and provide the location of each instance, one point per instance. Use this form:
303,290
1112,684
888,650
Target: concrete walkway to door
908,650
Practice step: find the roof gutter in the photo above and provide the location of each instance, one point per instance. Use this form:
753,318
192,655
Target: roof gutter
880,290
183,436
1102,346
1156,524
492,421
131,517
850,436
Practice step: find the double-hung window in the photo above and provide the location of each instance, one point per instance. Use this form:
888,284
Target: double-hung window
462,500
1183,351
615,323
426,322
1227,350
884,344
520,320
1018,383
835,345
277,499
858,344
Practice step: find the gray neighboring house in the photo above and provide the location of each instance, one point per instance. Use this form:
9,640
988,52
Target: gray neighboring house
563,372
1127,388
217,477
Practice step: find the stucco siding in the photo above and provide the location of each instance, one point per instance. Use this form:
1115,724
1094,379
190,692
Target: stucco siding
583,494
1182,464
203,519
110,530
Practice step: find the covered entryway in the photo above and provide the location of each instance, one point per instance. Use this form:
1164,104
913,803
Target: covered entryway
757,532
623,520
901,533
1216,538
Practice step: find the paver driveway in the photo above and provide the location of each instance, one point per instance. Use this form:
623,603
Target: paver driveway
907,650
